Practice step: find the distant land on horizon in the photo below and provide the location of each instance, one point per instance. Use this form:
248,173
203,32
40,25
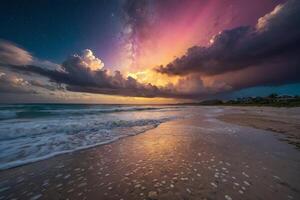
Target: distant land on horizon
270,100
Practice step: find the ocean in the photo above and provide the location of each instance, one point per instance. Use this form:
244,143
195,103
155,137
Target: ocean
32,132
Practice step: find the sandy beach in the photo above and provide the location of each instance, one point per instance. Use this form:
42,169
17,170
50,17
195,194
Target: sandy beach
219,153
285,121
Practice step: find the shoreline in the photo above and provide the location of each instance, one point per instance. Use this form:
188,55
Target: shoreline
31,161
194,158
287,125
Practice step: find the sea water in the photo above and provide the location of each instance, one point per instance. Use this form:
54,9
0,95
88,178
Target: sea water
33,132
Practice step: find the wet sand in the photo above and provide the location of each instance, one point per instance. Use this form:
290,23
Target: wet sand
193,158
285,121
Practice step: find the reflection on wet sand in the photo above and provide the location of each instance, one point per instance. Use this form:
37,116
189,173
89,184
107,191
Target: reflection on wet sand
183,159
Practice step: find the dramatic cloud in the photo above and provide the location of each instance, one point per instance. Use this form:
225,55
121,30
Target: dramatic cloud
271,50
265,54
193,87
13,84
85,73
81,78
85,61
11,54
17,84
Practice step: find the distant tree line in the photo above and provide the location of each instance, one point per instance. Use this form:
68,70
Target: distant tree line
270,100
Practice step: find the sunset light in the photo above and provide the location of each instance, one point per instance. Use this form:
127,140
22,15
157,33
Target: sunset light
149,99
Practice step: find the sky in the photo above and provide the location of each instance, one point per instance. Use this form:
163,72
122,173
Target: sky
147,51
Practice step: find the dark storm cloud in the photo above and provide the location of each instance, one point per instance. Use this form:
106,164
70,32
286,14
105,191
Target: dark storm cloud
85,73
102,82
81,78
271,48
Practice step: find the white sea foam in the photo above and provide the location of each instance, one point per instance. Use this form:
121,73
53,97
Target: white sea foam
37,137
37,132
